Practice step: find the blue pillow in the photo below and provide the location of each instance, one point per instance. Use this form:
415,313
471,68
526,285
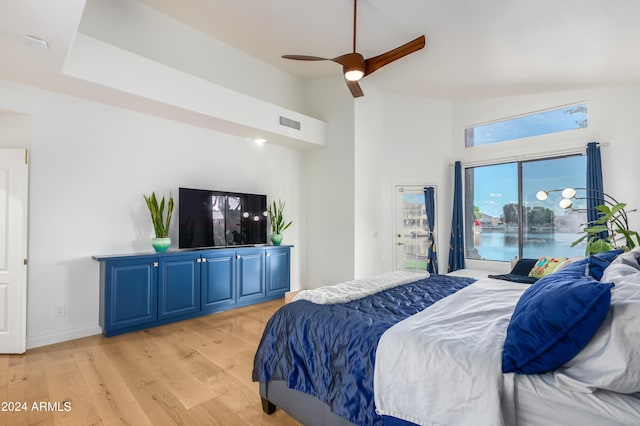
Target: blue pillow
593,265
553,320
599,262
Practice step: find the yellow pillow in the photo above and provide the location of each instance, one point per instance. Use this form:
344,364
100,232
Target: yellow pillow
545,266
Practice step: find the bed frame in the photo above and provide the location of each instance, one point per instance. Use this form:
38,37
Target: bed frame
304,408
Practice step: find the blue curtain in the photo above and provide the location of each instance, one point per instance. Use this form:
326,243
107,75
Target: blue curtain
430,207
595,188
456,244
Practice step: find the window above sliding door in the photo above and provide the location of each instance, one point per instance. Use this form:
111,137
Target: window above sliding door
556,120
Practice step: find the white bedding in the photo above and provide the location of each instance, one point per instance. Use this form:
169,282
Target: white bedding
358,289
443,366
541,402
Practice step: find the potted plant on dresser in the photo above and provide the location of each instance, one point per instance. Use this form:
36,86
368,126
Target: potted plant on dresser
278,224
160,223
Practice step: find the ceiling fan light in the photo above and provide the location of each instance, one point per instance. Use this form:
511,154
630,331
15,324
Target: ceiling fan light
354,74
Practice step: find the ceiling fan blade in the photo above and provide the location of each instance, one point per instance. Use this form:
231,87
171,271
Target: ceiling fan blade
305,58
354,87
377,62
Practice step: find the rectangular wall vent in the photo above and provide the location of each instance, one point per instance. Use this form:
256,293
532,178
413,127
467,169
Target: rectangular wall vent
288,122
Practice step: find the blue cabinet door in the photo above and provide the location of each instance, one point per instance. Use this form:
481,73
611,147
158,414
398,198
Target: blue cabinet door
218,280
129,293
277,271
251,281
178,285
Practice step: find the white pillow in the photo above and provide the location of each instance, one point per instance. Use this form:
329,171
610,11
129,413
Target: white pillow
611,360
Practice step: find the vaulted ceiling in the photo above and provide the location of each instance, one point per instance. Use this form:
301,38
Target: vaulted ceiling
474,48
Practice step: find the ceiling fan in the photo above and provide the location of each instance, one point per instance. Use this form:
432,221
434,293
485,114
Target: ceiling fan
355,66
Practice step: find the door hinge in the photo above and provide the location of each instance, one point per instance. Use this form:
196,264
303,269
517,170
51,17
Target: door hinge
26,262
26,157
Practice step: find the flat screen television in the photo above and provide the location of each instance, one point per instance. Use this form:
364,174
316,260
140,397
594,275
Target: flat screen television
220,219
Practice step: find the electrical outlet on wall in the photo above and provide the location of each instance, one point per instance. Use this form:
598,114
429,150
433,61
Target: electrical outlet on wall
60,310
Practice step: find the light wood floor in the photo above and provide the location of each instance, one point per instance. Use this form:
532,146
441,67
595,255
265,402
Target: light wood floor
194,372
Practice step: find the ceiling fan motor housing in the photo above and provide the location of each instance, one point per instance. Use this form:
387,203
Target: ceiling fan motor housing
353,66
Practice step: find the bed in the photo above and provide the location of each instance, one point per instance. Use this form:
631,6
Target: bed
405,349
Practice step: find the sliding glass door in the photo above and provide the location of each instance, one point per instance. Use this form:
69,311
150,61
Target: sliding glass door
504,219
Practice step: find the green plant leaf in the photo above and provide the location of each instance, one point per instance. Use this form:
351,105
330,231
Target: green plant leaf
160,225
276,217
599,246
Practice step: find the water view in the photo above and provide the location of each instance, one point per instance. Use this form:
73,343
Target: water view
504,245
500,246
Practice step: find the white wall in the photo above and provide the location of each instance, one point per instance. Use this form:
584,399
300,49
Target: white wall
375,142
149,33
328,188
15,130
417,151
368,182
90,165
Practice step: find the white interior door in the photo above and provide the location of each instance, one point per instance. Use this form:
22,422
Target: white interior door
411,228
13,250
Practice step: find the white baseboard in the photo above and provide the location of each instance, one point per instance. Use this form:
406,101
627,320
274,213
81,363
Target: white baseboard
58,336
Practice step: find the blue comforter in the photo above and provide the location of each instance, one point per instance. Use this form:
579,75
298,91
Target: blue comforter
328,351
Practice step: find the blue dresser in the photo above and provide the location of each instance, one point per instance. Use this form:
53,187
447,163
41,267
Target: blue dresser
144,290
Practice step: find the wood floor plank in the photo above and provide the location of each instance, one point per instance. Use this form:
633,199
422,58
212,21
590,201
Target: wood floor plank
4,377
158,351
194,372
28,386
110,394
66,389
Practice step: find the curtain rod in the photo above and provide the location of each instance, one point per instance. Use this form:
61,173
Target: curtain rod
533,156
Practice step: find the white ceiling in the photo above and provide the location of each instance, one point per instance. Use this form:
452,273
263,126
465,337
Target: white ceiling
474,48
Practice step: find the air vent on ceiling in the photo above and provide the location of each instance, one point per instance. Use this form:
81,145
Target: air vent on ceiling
288,122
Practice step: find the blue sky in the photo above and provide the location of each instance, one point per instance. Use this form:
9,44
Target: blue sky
495,186
542,123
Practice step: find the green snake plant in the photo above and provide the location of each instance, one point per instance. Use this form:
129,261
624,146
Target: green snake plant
278,224
160,223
